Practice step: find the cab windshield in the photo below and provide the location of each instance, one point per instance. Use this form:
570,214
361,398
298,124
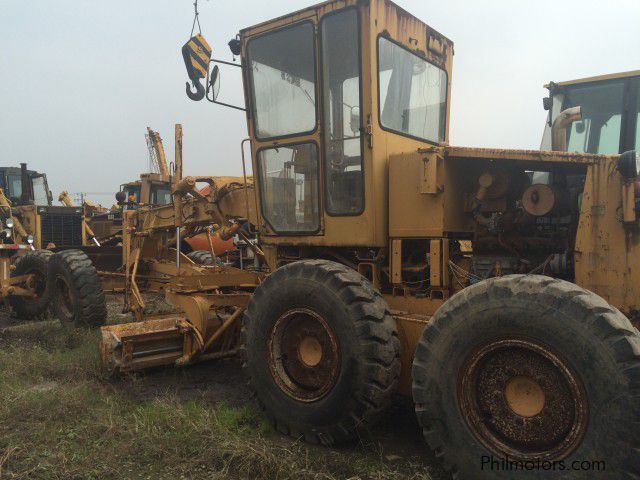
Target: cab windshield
602,108
40,193
283,81
132,193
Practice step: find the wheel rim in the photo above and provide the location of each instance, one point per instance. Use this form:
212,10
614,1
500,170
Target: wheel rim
64,297
37,282
520,399
304,357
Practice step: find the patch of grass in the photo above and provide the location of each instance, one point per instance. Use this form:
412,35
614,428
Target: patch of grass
60,418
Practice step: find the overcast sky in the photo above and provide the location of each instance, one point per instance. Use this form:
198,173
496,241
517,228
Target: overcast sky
81,80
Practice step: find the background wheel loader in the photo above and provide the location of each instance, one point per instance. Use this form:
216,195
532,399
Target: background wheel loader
519,349
36,283
35,216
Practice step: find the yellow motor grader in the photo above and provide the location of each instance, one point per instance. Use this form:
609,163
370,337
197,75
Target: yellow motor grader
519,353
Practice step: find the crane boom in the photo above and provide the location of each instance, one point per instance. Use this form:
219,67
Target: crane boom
157,154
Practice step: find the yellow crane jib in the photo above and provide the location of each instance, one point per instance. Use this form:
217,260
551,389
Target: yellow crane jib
197,54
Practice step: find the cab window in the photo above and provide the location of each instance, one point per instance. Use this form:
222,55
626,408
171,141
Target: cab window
412,93
342,119
40,194
160,195
602,108
283,85
289,188
132,194
14,186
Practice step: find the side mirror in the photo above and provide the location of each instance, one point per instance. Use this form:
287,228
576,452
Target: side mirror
121,197
214,82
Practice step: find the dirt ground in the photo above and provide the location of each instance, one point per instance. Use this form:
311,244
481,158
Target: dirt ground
393,448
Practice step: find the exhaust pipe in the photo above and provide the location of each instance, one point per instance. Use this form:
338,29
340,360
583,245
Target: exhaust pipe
559,128
25,181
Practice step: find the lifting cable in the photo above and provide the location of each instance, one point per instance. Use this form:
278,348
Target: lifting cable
196,19
197,56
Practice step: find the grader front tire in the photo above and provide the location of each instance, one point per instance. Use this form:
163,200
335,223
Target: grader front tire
77,296
321,350
532,369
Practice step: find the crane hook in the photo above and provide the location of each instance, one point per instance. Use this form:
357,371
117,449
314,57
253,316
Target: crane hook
199,91
197,56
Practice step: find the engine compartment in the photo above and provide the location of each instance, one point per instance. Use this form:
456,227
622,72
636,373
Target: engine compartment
524,222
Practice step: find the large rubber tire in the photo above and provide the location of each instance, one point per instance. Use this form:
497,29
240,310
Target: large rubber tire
366,345
202,257
594,340
35,263
77,296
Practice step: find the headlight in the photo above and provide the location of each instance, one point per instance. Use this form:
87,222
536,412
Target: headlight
7,233
30,239
9,223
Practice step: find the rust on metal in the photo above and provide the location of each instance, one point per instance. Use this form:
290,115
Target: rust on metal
519,398
304,356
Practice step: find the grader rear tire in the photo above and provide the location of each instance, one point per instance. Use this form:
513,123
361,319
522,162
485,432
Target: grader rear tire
77,296
202,257
321,350
33,263
535,370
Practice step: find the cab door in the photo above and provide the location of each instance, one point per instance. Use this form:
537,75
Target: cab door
281,74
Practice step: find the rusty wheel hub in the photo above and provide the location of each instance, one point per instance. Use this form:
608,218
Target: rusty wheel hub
520,399
303,355
37,282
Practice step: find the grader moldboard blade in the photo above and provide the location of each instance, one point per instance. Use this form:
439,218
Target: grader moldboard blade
141,345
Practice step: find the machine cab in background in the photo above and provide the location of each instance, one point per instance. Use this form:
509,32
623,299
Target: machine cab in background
22,186
610,109
332,91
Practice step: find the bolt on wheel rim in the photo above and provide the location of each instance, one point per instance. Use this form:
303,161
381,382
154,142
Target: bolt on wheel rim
304,357
520,399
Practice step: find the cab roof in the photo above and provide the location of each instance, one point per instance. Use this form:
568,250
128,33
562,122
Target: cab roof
599,78
334,5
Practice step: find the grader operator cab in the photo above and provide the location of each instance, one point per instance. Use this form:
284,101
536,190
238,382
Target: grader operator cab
153,188
520,348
